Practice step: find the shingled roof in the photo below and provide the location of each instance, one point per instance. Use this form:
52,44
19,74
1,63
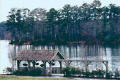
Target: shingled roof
39,55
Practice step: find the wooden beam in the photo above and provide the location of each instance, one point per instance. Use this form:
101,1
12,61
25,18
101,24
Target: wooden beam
50,68
28,64
33,62
18,64
79,60
44,62
60,62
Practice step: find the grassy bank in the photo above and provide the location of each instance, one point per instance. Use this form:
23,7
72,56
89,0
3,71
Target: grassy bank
10,77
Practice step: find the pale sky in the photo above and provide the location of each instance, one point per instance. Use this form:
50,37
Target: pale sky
6,5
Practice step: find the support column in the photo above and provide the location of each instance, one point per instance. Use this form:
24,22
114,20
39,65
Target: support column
13,65
33,62
106,65
18,64
44,62
60,66
50,68
28,64
86,65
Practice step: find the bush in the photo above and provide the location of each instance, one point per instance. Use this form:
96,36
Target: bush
67,72
117,74
108,75
8,69
70,71
74,72
99,73
87,74
28,72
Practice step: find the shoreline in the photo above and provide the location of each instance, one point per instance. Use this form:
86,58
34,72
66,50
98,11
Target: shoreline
64,43
62,78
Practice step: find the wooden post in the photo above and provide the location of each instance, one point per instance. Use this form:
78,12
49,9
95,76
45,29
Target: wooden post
28,64
86,66
33,62
60,66
106,64
18,64
44,62
50,68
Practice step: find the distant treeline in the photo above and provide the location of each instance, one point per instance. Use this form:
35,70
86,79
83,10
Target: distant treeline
4,34
89,23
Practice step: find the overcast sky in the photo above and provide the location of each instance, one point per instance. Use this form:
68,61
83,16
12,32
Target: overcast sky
6,5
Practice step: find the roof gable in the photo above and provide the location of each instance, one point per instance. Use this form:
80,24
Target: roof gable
38,55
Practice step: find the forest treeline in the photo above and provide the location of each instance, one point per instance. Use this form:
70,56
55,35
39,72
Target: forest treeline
4,34
88,23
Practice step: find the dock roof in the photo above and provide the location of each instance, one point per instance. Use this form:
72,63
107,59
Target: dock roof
39,55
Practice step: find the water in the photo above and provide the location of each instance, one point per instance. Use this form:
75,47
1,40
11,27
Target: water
96,52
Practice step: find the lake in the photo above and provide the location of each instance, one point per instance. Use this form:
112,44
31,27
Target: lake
97,52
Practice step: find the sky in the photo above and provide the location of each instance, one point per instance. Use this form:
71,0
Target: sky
6,5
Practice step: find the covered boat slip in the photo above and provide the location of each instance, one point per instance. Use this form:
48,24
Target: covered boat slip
43,57
48,58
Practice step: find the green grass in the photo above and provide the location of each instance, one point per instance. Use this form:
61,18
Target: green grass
10,77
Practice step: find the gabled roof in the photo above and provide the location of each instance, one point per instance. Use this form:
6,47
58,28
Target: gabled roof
39,55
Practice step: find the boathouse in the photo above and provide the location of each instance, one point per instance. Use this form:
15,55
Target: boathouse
34,56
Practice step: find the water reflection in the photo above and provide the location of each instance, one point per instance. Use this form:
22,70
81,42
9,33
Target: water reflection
97,52
4,57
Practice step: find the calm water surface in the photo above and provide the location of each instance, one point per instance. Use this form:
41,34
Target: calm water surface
96,52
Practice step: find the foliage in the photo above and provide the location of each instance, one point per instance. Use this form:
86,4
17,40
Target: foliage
70,71
90,23
74,72
28,72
